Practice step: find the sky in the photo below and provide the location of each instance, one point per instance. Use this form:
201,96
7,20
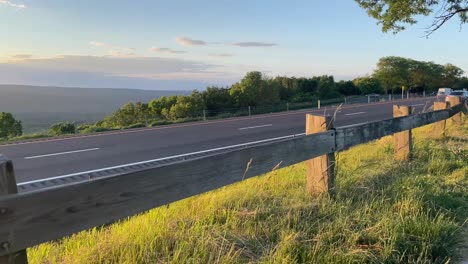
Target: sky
174,45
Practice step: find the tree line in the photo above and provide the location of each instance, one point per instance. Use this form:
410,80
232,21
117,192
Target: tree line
256,89
395,72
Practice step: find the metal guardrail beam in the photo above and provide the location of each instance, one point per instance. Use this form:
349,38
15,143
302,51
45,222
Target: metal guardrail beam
35,217
137,166
349,136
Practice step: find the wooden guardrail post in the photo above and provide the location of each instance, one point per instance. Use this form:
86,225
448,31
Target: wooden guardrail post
438,128
320,170
453,101
403,140
8,186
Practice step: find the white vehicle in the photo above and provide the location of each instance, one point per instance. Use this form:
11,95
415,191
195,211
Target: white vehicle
443,92
462,94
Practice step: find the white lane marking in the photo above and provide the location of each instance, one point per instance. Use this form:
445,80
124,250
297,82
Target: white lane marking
244,128
171,157
60,153
418,104
358,113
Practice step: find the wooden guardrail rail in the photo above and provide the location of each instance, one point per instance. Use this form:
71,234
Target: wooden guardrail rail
28,219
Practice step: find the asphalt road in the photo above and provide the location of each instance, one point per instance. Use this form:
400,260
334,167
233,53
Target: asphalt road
57,157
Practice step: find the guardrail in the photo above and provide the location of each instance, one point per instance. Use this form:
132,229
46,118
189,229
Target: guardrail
30,218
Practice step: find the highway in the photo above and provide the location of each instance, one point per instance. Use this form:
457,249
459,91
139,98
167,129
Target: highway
64,156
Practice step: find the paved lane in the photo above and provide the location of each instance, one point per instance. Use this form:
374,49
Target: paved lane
56,157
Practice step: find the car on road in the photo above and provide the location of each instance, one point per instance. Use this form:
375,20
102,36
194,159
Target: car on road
443,92
463,94
373,97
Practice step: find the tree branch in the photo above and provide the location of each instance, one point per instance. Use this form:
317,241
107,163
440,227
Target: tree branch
439,21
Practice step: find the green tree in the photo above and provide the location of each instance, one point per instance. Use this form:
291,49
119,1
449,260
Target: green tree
124,116
368,85
246,91
461,84
269,92
425,75
393,15
187,106
157,106
217,98
435,72
142,113
451,75
285,92
393,72
9,126
129,114
347,88
63,128
326,87
294,89
254,89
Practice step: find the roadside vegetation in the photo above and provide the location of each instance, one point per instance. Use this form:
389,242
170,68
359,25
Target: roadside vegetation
382,212
258,94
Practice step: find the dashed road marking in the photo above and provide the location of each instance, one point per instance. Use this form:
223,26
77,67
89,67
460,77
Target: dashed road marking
60,153
244,128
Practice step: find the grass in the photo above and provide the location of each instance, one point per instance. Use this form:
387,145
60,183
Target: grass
382,212
25,137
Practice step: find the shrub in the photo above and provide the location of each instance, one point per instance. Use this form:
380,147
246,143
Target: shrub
160,122
9,126
137,125
26,137
58,129
94,129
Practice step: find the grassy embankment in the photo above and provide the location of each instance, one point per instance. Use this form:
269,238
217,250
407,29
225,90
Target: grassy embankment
383,212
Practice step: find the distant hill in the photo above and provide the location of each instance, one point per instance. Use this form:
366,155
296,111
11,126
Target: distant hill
38,106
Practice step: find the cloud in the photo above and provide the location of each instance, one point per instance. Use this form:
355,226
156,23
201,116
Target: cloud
114,51
13,74
97,43
21,56
166,50
8,3
118,65
220,55
190,42
254,44
116,72
122,54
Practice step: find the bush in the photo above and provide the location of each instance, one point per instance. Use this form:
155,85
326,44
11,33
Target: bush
94,129
225,115
9,126
160,123
332,101
185,120
58,129
83,127
137,125
295,106
26,137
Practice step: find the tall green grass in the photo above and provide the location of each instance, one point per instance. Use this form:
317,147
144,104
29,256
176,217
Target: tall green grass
382,212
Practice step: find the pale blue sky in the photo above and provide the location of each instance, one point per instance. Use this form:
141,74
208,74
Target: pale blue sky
137,44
